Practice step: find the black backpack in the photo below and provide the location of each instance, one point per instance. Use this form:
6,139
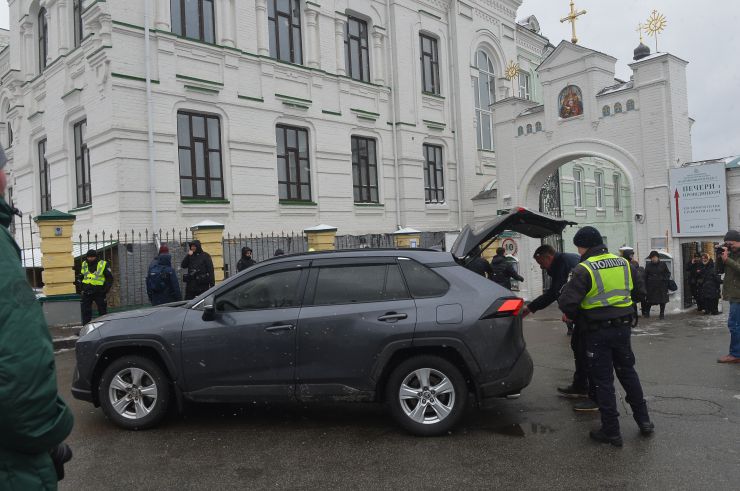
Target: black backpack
158,279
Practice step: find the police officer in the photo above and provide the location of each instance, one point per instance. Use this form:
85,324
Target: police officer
96,281
598,298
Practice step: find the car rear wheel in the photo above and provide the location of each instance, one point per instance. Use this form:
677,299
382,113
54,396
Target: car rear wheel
427,395
134,392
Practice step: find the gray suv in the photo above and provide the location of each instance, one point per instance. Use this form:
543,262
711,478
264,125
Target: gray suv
411,328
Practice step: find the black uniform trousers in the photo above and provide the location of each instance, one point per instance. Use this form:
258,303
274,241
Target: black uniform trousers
578,345
86,303
609,351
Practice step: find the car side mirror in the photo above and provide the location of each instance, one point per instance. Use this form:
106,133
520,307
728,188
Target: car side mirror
209,309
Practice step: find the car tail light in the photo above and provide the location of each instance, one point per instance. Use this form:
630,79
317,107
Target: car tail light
504,307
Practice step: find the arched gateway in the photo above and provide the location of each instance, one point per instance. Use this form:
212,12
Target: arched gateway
644,141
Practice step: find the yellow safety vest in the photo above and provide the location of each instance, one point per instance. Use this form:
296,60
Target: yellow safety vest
96,278
611,282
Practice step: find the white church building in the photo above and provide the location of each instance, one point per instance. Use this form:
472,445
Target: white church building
276,115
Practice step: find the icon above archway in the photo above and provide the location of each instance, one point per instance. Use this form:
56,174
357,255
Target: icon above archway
571,102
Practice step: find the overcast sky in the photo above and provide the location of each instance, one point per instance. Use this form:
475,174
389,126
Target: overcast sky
706,37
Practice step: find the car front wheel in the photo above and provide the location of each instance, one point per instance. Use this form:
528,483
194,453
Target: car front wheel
134,392
427,395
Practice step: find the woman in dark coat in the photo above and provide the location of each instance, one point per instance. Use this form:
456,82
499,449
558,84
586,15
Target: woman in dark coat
709,282
656,281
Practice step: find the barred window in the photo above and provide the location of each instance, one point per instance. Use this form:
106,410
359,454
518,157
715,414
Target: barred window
429,65
82,164
193,19
284,24
356,49
199,153
293,163
434,184
364,170
44,181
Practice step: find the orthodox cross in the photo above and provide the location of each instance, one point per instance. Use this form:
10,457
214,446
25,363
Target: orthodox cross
656,24
640,29
572,18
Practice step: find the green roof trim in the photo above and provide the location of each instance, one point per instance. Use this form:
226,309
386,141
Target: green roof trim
333,113
291,98
247,98
37,113
71,92
295,202
53,215
196,88
362,111
131,77
204,201
81,208
434,125
72,297
98,51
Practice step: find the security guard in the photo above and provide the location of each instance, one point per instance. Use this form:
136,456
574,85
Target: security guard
598,298
96,281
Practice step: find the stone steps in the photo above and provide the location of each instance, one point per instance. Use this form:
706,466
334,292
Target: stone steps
64,337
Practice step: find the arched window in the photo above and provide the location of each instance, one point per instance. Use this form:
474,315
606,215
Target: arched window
43,39
529,129
570,102
617,108
520,131
606,111
538,127
485,95
630,104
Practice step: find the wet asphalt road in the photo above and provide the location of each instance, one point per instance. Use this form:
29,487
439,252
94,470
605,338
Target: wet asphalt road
536,441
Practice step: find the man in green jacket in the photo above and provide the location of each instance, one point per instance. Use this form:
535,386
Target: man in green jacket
34,420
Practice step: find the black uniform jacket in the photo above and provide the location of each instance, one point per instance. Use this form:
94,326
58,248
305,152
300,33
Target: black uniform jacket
559,272
578,287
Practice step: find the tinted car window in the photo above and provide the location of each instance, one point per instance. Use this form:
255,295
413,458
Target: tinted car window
422,281
277,290
359,284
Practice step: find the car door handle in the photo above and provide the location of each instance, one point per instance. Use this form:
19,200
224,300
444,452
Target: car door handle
283,327
392,317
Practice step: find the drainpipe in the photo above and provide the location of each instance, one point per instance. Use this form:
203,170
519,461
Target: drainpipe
456,110
391,62
150,122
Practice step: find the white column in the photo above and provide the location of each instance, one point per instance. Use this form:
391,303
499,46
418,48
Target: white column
66,25
263,43
339,27
378,58
29,51
162,19
227,16
312,38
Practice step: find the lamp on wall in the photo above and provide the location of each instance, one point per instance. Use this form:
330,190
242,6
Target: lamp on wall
639,218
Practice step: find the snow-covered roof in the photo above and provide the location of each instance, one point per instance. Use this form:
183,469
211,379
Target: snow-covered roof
616,88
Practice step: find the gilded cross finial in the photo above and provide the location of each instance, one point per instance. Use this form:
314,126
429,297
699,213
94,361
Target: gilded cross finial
572,17
656,24
511,73
640,29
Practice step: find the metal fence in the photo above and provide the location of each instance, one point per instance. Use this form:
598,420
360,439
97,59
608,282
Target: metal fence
130,253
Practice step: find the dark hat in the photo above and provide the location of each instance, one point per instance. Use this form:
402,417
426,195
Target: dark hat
653,254
732,235
92,253
246,249
279,252
163,249
587,237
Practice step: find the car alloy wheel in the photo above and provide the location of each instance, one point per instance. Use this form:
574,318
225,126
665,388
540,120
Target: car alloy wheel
427,396
133,393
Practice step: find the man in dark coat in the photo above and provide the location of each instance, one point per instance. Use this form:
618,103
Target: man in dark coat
710,286
161,282
598,298
479,265
96,280
656,283
34,420
558,266
200,275
503,271
638,277
246,260
693,272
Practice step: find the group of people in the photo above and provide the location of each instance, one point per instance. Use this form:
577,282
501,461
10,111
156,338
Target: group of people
705,283
500,270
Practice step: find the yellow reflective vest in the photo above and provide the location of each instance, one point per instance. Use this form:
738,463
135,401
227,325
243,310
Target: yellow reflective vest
611,282
97,277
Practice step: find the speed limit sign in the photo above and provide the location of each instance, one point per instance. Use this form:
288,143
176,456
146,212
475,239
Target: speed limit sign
510,247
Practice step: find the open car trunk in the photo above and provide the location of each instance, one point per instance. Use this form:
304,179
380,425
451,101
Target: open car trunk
520,220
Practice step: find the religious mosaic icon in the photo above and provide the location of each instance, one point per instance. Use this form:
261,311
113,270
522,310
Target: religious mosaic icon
571,102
